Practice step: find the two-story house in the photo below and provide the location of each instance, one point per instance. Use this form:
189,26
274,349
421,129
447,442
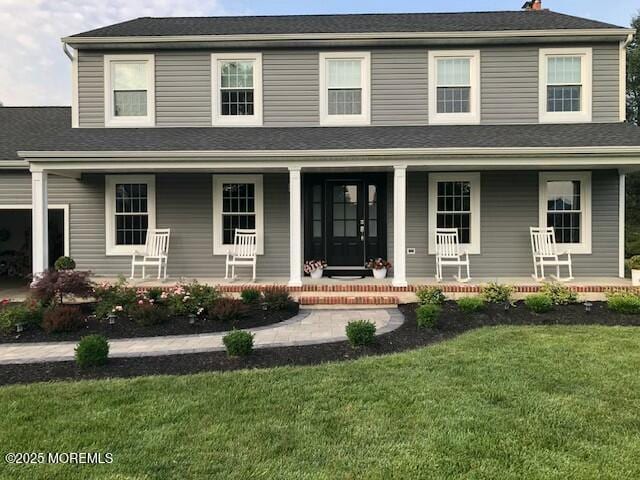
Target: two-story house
337,137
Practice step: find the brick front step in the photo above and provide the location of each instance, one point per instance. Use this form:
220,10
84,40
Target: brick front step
348,300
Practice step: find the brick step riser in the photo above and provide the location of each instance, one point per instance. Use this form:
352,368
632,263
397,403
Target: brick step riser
341,300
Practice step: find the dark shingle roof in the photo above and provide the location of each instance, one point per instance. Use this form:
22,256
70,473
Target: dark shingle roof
49,129
352,23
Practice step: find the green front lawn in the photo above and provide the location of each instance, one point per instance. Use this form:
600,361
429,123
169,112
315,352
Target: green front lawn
499,403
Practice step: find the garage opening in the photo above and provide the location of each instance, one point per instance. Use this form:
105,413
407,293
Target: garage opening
16,241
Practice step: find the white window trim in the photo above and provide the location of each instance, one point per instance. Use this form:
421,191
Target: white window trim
346,120
110,120
110,182
474,179
584,247
52,206
218,180
586,76
217,118
471,117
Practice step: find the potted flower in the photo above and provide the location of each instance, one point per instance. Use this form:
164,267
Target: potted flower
314,268
379,267
634,265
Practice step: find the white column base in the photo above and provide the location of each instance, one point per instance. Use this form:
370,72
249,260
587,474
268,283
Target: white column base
295,227
39,223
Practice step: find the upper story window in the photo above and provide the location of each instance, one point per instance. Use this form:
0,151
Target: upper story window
565,85
344,88
129,90
237,88
454,86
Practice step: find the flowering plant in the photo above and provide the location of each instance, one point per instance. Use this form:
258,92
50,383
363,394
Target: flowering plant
378,264
313,265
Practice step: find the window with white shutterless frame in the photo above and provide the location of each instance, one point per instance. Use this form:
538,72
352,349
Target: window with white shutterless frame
236,89
129,90
454,86
238,203
565,85
345,88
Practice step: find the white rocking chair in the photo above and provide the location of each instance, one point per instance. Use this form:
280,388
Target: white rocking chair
545,253
155,254
449,254
243,253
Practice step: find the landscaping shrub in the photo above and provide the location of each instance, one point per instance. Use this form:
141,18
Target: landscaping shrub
250,295
65,263
560,294
360,332
471,304
118,298
634,262
28,313
146,314
433,295
539,303
53,285
62,318
497,293
154,294
623,302
92,351
202,296
228,309
427,315
277,298
238,343
192,298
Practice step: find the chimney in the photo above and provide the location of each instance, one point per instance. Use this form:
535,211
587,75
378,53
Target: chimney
532,5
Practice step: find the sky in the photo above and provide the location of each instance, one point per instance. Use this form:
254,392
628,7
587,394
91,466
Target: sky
35,71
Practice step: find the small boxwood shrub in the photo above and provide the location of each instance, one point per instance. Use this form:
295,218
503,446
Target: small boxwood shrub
427,315
238,343
63,318
28,313
433,295
92,351
559,294
634,262
228,309
471,304
361,332
250,295
146,314
624,302
277,298
497,293
65,263
539,302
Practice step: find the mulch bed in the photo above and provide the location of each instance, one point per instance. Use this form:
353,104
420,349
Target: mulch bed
408,336
256,317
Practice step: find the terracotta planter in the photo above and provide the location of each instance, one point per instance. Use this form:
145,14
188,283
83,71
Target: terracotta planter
317,273
380,273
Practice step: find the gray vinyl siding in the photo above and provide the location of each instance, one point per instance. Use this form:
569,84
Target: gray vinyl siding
90,88
183,89
291,91
606,79
509,85
399,87
509,206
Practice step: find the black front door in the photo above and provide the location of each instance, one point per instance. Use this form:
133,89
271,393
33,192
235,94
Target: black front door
345,223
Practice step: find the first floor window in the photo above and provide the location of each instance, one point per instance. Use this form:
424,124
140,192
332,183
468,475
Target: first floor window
237,88
454,202
129,90
130,212
565,205
237,204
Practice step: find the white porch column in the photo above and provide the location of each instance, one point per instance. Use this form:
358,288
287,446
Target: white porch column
399,225
622,192
40,222
295,227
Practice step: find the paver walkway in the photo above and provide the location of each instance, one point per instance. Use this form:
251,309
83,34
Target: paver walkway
308,327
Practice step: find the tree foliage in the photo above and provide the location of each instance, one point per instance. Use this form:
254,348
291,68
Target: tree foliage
633,116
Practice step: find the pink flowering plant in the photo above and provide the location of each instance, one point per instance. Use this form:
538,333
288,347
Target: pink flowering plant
378,264
313,265
114,298
192,299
